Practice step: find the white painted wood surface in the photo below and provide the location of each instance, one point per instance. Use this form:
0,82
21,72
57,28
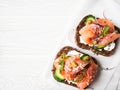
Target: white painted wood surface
30,32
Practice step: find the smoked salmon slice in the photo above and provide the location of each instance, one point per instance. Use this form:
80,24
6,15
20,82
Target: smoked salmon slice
104,22
109,38
89,32
73,65
90,73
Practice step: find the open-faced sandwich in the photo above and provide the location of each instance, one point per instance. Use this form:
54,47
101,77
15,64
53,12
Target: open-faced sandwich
97,34
74,68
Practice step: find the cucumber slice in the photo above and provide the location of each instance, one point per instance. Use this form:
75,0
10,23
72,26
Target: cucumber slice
90,19
58,76
85,57
99,47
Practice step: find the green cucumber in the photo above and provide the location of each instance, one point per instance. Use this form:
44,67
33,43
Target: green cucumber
90,19
99,47
85,57
58,76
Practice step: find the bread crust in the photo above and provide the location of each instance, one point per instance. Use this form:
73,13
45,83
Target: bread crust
87,47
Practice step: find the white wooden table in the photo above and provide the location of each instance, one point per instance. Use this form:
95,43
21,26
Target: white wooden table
30,32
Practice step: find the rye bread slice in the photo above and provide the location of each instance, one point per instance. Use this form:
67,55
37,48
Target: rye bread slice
65,50
87,47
